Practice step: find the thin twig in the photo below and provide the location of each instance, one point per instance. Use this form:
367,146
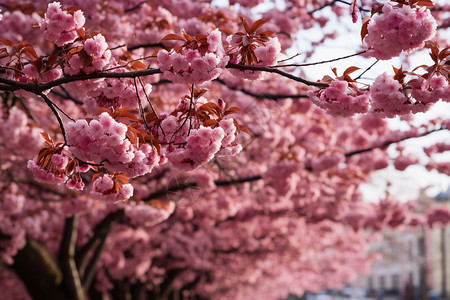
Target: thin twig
277,71
141,109
321,62
274,97
55,112
385,144
367,69
149,45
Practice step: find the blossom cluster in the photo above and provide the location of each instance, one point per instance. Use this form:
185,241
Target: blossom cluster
60,26
113,93
399,29
430,90
265,54
193,143
196,61
33,74
388,98
201,146
105,187
95,56
104,140
339,100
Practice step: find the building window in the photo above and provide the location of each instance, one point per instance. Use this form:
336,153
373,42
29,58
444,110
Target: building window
370,283
381,283
396,283
410,250
421,246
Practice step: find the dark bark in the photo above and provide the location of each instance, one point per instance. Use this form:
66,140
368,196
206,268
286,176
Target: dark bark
101,231
71,277
40,273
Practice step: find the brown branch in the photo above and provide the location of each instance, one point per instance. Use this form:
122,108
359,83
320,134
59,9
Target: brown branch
274,97
276,71
71,277
38,88
66,95
100,232
148,45
321,62
39,271
89,273
387,143
180,187
55,112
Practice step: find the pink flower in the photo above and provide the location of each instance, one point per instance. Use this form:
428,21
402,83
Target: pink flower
202,145
399,29
388,99
191,65
59,26
105,188
337,99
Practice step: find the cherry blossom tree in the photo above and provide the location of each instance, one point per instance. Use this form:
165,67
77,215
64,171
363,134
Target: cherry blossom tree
158,149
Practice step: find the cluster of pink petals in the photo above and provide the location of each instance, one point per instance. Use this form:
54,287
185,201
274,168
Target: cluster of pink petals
438,216
283,177
44,175
113,93
104,140
430,91
17,133
11,202
441,167
387,213
55,172
388,99
401,162
267,55
103,189
59,26
337,100
97,49
399,29
201,146
229,147
437,148
143,214
33,74
327,160
127,255
191,66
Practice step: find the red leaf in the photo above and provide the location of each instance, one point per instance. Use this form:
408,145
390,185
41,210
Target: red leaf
7,42
364,30
257,25
246,26
171,37
350,70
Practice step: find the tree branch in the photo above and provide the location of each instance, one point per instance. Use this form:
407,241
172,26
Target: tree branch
323,61
38,88
71,277
387,143
39,272
274,97
276,71
180,187
100,232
